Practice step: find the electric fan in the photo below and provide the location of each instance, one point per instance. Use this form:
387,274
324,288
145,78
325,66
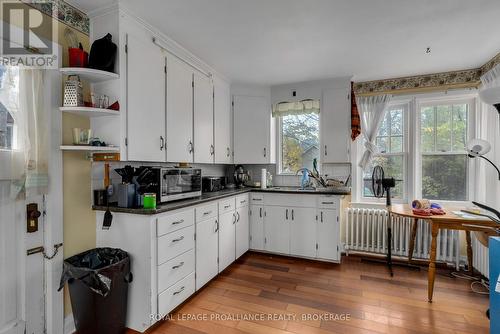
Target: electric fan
381,185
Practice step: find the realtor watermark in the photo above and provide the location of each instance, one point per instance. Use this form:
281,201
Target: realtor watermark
29,37
255,317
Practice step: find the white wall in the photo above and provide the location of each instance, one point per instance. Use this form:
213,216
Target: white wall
307,89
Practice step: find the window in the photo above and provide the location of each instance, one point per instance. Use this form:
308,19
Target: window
444,162
391,139
299,135
9,89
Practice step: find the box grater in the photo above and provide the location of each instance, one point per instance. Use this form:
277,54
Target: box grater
73,92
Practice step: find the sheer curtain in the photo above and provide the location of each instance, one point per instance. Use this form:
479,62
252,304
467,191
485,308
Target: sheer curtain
26,163
371,111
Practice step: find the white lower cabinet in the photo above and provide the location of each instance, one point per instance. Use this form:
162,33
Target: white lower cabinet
276,230
207,251
303,232
328,230
257,227
227,239
242,231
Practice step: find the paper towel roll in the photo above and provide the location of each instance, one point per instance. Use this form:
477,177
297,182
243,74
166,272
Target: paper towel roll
263,178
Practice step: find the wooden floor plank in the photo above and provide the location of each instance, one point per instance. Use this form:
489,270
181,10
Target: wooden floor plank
304,295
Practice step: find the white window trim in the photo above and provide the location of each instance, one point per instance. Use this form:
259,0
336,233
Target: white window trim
413,187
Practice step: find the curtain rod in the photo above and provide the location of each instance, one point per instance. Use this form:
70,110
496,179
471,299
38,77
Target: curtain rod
208,74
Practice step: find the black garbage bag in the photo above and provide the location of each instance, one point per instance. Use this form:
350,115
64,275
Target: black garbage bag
98,282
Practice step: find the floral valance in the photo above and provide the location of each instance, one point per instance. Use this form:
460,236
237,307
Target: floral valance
296,108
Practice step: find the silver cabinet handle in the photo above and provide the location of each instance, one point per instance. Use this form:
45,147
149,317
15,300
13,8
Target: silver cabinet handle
207,213
179,291
227,206
216,226
244,201
286,214
178,239
238,214
234,218
212,150
178,222
292,214
326,150
256,199
228,152
326,202
321,214
178,266
265,152
190,147
260,212
162,143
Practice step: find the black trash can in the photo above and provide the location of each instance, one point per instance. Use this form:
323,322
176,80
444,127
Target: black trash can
98,282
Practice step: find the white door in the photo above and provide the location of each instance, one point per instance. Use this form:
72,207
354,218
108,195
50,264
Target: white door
252,122
328,235
335,126
257,227
242,231
227,240
277,229
145,101
179,111
206,251
303,232
223,122
204,149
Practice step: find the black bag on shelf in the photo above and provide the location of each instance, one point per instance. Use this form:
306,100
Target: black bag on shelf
103,54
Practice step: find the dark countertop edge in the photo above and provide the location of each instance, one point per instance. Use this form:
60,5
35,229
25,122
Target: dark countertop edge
207,197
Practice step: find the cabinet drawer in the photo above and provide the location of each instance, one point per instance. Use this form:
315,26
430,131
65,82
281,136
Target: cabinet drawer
206,211
175,269
175,295
241,201
174,221
227,205
175,243
291,200
257,199
328,202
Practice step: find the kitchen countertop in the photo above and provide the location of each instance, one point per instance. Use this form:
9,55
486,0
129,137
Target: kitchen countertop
207,197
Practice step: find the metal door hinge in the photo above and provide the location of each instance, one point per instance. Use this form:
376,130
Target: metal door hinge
217,260
337,218
250,238
337,248
126,48
165,68
316,246
232,103
316,217
192,83
195,237
126,141
265,240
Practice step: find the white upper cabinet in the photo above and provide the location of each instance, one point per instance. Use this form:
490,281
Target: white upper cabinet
335,123
203,90
222,122
145,100
253,126
180,145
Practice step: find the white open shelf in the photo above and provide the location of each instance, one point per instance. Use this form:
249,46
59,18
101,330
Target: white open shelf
90,148
89,74
89,111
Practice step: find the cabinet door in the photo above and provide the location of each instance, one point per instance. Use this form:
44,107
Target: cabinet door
242,231
227,241
223,122
179,111
145,101
252,122
335,126
257,227
206,251
303,232
203,91
277,229
328,235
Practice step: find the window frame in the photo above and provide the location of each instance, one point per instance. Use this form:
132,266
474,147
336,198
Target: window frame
471,100
279,142
405,153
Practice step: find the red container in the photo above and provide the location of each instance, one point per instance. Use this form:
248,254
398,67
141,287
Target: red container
78,57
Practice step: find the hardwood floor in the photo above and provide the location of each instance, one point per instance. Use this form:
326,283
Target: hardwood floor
313,297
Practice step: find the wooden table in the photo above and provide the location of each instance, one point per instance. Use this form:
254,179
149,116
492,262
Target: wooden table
447,221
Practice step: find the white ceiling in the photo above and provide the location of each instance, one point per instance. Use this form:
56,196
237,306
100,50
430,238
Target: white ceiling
281,41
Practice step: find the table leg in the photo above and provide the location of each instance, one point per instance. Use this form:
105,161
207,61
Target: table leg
432,262
469,252
412,239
